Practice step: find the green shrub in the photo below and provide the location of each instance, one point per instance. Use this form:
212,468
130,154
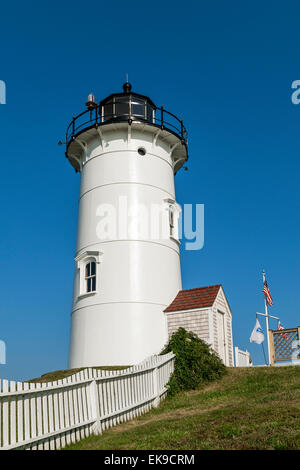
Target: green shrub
196,363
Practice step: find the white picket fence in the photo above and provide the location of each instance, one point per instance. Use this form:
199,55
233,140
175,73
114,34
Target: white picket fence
54,414
242,358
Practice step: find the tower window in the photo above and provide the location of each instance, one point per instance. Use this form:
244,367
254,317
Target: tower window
87,282
90,276
171,221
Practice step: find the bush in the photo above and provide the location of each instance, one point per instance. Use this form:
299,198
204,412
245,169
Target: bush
196,363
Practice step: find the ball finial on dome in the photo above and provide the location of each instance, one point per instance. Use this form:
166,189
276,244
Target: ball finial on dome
127,87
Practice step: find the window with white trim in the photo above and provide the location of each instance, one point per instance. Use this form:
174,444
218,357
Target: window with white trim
90,276
171,221
88,273
173,218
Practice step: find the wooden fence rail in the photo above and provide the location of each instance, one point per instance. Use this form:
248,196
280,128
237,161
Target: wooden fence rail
54,414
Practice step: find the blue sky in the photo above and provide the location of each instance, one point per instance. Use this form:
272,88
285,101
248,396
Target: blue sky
227,69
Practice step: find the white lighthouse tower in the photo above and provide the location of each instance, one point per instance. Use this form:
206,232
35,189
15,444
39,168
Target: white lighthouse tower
127,151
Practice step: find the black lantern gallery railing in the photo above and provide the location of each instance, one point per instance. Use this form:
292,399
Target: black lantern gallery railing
126,108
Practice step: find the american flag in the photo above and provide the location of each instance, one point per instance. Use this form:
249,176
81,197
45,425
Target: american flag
267,294
281,327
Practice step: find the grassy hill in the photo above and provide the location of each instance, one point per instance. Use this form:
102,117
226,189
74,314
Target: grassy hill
249,408
62,374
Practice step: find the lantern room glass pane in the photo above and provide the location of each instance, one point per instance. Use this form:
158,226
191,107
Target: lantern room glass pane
138,110
122,106
138,107
108,110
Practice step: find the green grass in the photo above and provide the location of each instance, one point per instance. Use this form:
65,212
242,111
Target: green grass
249,408
62,374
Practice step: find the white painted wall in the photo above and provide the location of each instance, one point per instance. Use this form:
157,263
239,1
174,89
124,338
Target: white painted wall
221,310
123,322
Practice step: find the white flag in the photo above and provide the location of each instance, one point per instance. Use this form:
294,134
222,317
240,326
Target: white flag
257,335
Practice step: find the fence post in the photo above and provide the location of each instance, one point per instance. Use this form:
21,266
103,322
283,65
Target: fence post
95,407
272,352
155,387
247,358
236,350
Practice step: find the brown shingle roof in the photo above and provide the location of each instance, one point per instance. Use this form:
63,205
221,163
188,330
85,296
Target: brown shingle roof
199,297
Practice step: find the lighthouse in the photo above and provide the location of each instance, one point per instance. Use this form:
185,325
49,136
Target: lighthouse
127,261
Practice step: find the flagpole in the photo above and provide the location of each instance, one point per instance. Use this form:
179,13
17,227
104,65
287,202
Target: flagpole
264,353
267,319
262,344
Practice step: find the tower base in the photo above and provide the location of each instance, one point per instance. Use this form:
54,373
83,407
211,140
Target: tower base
126,336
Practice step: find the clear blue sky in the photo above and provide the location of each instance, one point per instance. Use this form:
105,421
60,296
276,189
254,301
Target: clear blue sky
227,68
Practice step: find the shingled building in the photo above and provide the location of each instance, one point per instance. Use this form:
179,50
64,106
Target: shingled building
206,312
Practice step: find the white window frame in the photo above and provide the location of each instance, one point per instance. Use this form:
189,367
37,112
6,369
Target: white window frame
82,260
90,277
174,210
